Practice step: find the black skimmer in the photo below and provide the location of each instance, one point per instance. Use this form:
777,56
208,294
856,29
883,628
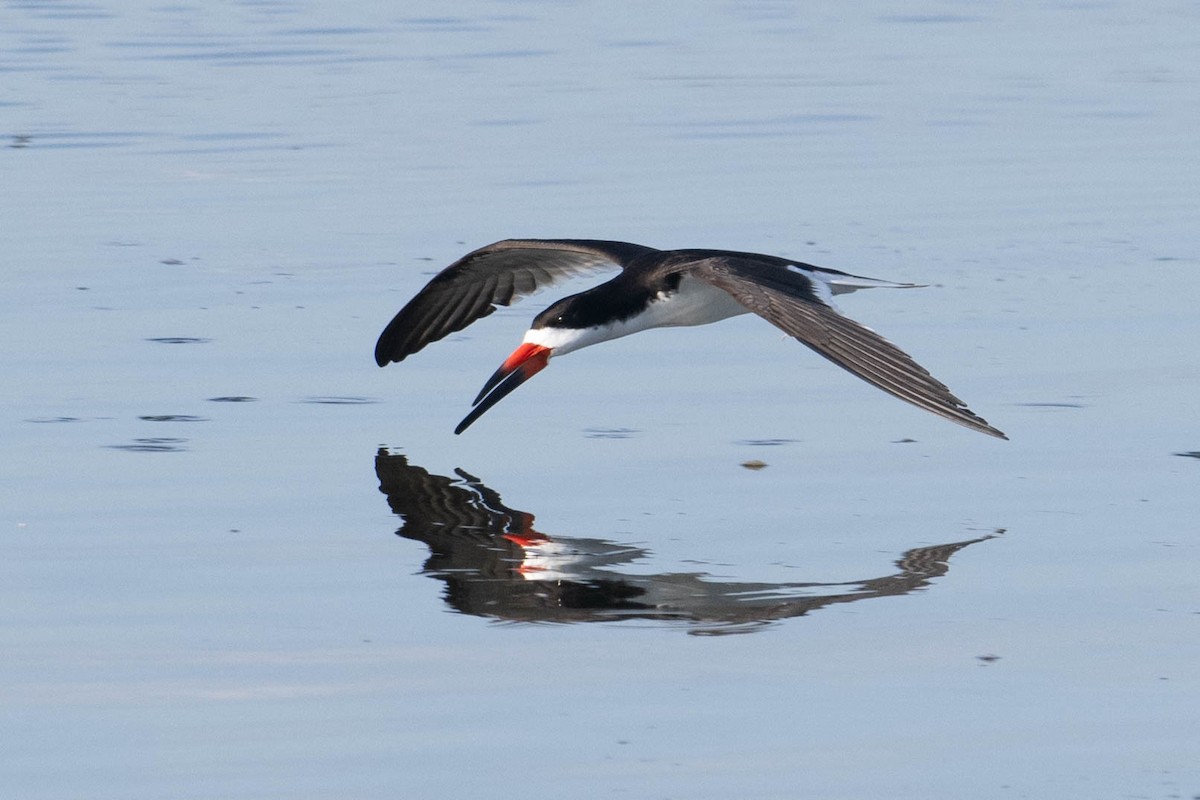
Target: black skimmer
494,563
655,288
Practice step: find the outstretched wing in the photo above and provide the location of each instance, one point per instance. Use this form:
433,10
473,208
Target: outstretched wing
492,276
796,303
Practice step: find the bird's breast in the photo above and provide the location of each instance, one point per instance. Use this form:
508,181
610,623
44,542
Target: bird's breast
694,302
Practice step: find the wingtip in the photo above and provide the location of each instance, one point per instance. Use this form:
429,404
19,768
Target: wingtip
980,424
385,352
381,357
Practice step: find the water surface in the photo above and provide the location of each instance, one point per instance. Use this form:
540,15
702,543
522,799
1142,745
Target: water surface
210,212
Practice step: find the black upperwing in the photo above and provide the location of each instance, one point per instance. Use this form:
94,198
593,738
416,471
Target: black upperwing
792,302
492,276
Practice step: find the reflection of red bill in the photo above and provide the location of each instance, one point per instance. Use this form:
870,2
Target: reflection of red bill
529,541
525,362
522,540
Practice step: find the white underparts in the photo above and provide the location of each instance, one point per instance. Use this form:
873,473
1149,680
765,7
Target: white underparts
693,303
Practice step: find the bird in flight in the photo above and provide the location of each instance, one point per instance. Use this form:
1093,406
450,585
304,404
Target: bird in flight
655,289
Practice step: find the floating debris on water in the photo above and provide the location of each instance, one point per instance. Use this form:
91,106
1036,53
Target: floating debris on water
179,340
152,445
610,433
1051,405
339,401
766,442
755,464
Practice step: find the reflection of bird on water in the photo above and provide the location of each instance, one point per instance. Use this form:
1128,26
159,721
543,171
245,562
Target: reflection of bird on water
494,564
655,289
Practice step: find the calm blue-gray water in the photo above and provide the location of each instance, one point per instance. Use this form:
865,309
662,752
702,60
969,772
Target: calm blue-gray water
238,560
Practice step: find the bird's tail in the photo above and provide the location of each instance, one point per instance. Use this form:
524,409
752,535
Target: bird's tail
845,283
